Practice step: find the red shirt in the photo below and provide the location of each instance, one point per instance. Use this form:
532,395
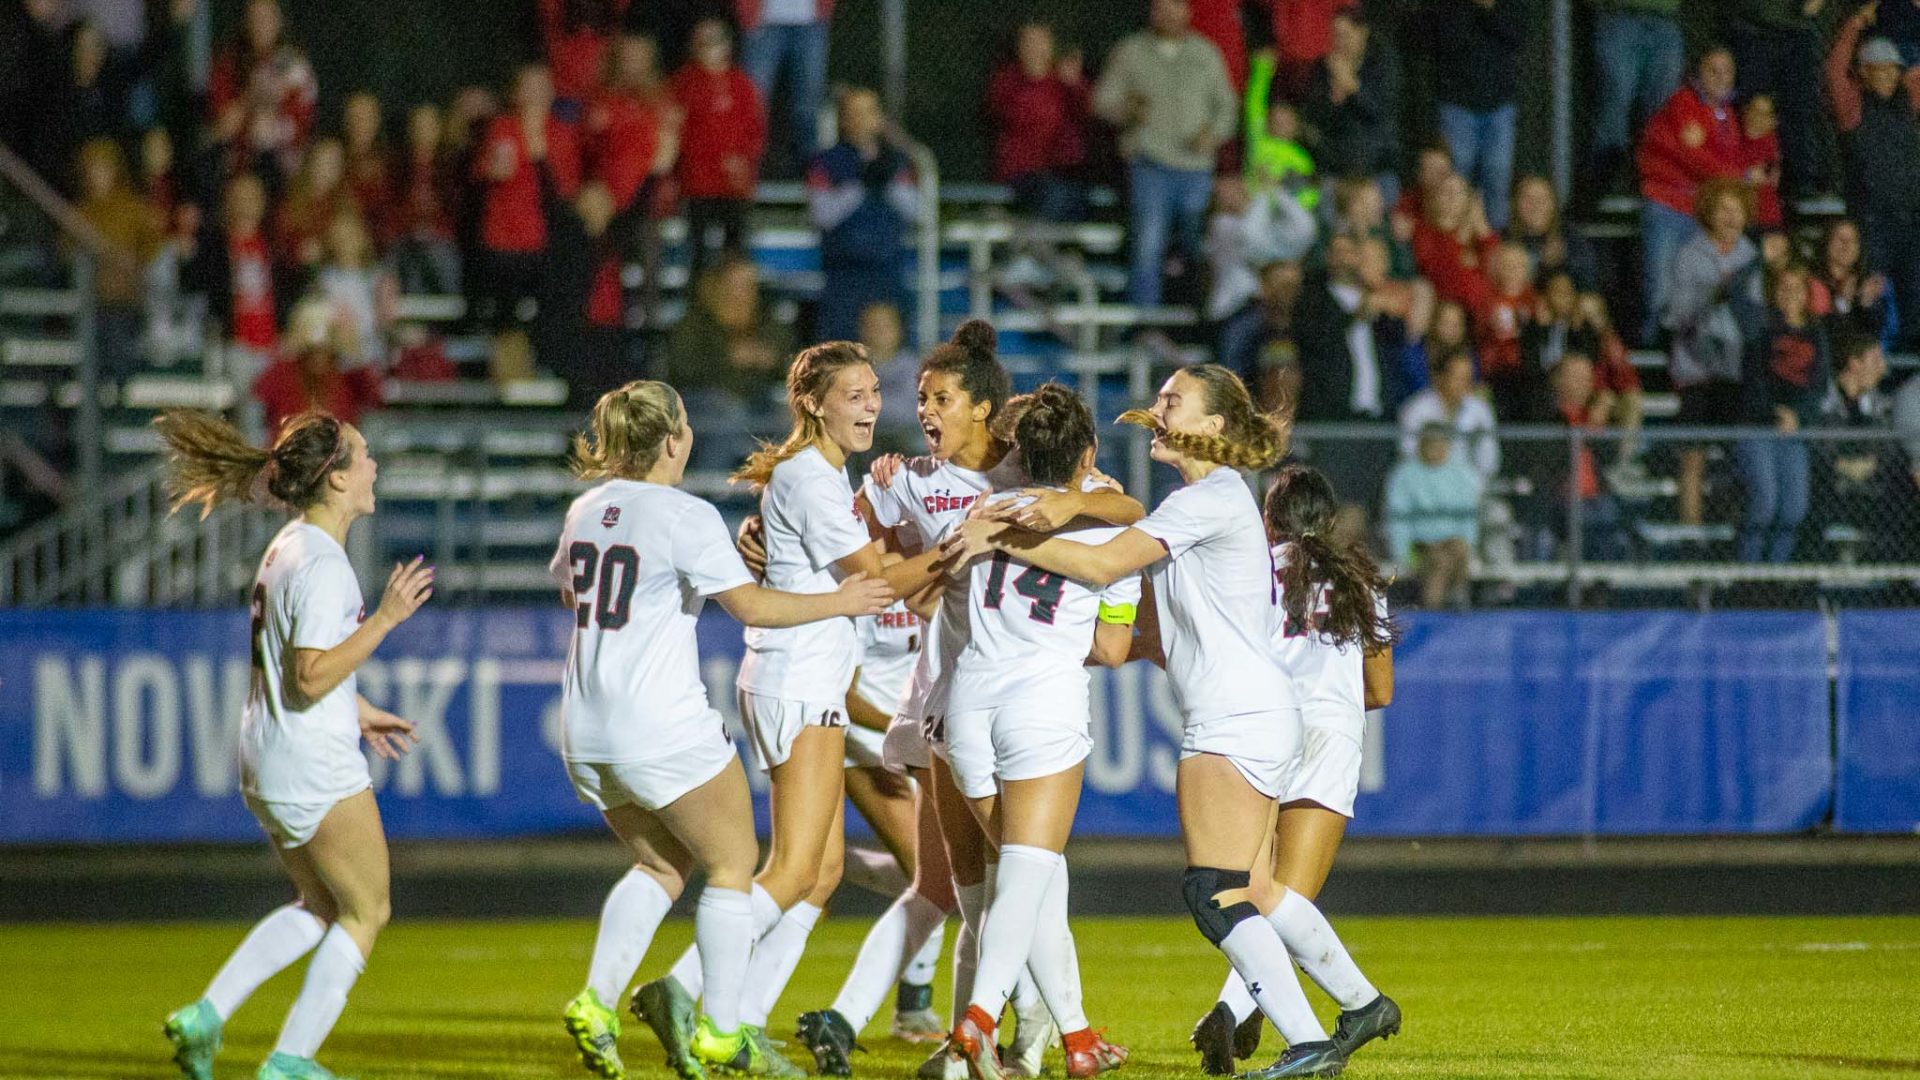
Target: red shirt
622,139
1302,29
1585,482
287,391
724,120
603,295
1613,369
511,219
252,284
1458,271
1219,22
1686,143
575,56
423,208
1039,125
1764,152
1499,322
367,176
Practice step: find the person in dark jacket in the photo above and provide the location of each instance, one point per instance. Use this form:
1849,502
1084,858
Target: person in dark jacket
1476,79
862,196
580,333
1877,108
1776,49
1786,376
1353,100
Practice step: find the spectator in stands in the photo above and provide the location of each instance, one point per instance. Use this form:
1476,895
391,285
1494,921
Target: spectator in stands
1263,347
308,374
1219,22
580,334
362,291
1551,244
123,30
1477,81
1353,101
1449,330
133,230
1275,154
1787,373
1877,109
1777,48
369,165
235,268
513,231
1863,484
1451,402
884,335
1452,243
862,196
1571,322
262,92
721,142
1342,377
1694,138
1851,298
159,180
82,110
1760,160
1433,518
1712,314
1360,208
728,355
632,127
1402,314
1039,107
317,195
1303,33
1248,231
1166,89
1639,58
1571,405
576,35
789,36
426,191
1504,317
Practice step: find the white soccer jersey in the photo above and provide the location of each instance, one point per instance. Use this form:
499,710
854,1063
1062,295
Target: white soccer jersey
304,597
640,560
1031,630
1327,678
889,648
1215,595
809,522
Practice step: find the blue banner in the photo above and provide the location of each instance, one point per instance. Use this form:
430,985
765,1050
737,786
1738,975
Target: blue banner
120,726
1878,698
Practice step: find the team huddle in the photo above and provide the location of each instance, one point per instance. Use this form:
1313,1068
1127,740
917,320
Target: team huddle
919,644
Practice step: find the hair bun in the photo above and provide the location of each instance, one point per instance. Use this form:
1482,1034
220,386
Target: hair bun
977,335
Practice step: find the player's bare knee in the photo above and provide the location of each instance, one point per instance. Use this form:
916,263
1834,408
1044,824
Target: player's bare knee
665,875
320,907
1218,899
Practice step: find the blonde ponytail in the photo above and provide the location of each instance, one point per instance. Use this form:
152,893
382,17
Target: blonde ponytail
629,428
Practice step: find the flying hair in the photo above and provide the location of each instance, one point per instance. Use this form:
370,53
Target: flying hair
1248,438
209,462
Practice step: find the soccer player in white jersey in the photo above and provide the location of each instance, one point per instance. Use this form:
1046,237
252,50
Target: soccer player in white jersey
1018,733
793,681
636,562
1204,547
301,769
1334,640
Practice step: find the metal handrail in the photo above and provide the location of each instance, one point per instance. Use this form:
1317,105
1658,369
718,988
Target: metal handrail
926,169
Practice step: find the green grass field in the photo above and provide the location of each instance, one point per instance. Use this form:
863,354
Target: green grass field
1536,998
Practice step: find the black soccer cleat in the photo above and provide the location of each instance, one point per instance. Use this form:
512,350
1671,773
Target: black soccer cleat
1322,1058
828,1035
1214,1038
1246,1037
1378,1019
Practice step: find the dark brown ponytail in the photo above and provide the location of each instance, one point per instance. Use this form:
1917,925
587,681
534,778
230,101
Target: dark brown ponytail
1299,513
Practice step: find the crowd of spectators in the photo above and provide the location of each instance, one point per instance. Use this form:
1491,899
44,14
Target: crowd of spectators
1348,257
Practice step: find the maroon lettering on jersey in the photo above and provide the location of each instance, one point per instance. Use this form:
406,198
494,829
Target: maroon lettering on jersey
362,617
898,620
611,518
943,503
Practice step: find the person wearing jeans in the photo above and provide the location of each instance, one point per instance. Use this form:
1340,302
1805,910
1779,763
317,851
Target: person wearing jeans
1787,374
1695,137
1166,89
1476,83
1639,59
790,36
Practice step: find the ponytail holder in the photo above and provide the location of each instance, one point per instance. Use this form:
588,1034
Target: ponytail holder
1309,534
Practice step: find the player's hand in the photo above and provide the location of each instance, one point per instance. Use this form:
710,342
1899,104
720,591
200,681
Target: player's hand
751,543
408,587
972,539
863,595
885,468
1047,512
388,735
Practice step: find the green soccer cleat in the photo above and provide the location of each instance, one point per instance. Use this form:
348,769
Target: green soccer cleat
194,1031
279,1066
596,1033
666,1007
743,1052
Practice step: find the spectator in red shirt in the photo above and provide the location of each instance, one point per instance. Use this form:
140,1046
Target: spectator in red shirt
1432,164
369,165
576,34
1452,242
721,142
1572,323
1302,36
234,267
630,132
1760,160
1219,22
1846,292
1039,106
318,192
308,375
1695,137
513,232
426,191
1504,316
261,92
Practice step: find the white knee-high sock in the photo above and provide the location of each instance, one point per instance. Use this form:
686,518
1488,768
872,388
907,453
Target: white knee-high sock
1256,952
1317,949
1026,996
1020,888
1233,994
628,921
1054,961
687,970
878,872
285,935
920,970
966,944
774,958
723,930
907,926
336,964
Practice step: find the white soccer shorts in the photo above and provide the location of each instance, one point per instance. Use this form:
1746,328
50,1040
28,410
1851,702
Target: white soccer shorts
1328,772
1264,746
774,723
1016,742
688,755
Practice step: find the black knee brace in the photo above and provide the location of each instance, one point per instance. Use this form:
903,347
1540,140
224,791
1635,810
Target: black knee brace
1202,886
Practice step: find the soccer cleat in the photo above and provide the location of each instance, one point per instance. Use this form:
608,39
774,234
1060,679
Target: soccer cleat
1213,1037
1033,1032
1322,1058
280,1066
1378,1019
666,1007
596,1033
194,1031
743,1052
914,1019
972,1042
942,1065
830,1037
1246,1036
1090,1055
